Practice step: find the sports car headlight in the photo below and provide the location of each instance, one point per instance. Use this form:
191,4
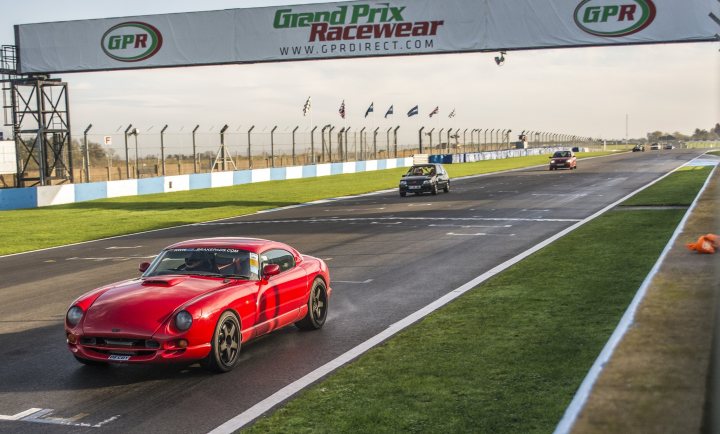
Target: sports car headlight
74,315
426,182
552,161
403,183
183,320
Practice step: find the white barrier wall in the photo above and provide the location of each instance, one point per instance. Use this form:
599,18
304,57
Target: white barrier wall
33,197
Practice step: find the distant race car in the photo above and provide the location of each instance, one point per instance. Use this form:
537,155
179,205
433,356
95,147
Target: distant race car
425,178
563,160
654,147
638,148
669,146
200,300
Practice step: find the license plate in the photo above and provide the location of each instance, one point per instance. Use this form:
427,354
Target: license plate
118,358
414,187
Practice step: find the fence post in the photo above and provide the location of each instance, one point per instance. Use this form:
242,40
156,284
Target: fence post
249,155
341,139
362,147
293,146
127,154
272,146
322,135
395,138
87,154
375,133
330,142
312,145
420,137
194,149
162,149
347,144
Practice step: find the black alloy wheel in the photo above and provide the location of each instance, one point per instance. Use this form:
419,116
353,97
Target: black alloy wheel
434,190
317,307
447,187
225,351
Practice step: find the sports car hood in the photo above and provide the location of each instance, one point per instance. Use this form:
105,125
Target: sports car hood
139,307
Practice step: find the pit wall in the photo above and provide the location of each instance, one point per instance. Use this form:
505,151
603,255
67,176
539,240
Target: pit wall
35,197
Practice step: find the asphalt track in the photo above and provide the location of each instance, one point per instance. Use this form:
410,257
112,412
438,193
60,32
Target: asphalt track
388,257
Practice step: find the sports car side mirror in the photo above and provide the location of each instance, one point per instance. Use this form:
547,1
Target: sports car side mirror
271,270
143,266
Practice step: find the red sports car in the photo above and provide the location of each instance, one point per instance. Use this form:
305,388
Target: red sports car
199,300
563,160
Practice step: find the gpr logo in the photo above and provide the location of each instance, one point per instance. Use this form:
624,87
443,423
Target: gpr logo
132,41
614,18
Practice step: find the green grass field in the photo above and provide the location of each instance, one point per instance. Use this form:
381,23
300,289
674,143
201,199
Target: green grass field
84,221
508,356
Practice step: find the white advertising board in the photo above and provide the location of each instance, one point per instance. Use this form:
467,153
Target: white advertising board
357,29
8,164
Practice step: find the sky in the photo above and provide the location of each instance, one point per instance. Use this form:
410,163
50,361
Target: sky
579,91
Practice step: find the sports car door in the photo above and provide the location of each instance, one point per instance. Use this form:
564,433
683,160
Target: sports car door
284,292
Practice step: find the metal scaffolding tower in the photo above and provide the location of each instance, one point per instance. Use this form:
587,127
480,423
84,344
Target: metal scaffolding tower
37,108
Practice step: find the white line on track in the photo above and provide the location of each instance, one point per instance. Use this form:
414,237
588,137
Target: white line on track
20,415
42,415
478,234
450,225
122,248
110,258
375,220
291,389
364,282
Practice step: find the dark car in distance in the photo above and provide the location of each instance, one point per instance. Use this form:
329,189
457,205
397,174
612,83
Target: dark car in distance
425,178
639,148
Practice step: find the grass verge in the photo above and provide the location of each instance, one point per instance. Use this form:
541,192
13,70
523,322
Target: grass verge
508,355
84,221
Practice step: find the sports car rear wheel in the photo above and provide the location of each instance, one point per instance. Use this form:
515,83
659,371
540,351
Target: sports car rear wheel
317,307
225,351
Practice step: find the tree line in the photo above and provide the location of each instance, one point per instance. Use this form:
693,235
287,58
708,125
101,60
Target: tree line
699,135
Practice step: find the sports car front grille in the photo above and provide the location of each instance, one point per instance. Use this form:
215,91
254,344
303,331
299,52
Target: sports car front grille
120,346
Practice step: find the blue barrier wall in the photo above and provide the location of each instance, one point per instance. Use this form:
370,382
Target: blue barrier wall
33,197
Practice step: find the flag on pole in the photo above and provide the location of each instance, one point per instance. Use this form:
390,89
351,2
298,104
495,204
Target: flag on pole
434,112
370,109
413,111
342,110
389,112
452,114
306,107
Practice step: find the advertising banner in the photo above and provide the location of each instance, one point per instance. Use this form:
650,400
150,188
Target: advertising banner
357,29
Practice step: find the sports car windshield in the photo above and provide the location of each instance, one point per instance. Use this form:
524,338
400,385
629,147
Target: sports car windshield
206,261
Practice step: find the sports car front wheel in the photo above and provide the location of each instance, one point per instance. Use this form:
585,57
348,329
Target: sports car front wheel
225,351
317,307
